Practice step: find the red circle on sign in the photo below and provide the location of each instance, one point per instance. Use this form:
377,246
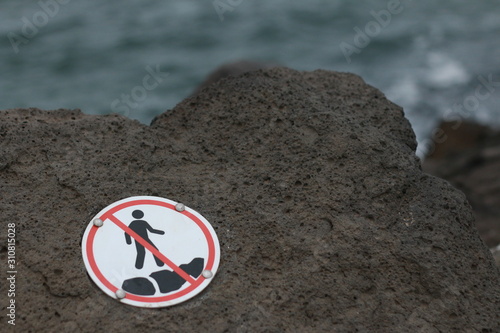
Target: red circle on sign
110,286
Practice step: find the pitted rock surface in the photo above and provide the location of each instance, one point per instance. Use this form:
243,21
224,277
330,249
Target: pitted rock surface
325,219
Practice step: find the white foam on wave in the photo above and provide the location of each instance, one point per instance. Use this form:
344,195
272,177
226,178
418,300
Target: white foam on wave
444,71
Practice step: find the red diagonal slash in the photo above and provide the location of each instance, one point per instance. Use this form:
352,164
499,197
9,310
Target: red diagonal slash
148,246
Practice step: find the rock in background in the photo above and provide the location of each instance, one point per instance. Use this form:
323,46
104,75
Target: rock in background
232,69
468,156
325,219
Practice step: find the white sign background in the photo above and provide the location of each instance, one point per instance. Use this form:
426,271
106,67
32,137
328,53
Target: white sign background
109,254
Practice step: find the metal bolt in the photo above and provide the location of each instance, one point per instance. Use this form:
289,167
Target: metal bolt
207,274
120,294
180,207
98,222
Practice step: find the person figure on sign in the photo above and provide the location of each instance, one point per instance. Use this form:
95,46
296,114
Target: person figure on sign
142,228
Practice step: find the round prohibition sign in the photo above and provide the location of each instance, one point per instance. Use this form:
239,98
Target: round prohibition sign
176,251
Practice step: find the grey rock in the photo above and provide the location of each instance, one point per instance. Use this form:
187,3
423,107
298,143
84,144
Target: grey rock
235,68
468,156
325,219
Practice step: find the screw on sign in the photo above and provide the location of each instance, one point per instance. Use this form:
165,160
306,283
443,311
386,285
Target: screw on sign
150,251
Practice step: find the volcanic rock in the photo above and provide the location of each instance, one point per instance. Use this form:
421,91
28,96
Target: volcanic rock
468,156
325,219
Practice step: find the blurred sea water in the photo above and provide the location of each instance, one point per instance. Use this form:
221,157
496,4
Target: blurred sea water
429,57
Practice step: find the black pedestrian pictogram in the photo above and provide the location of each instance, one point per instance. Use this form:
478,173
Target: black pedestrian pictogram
167,280
142,228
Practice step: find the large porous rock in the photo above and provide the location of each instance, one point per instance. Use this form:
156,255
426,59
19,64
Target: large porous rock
325,220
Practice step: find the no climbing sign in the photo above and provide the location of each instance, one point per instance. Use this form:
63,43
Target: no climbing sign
150,251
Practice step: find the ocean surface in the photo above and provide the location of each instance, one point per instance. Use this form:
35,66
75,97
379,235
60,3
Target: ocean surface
437,59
